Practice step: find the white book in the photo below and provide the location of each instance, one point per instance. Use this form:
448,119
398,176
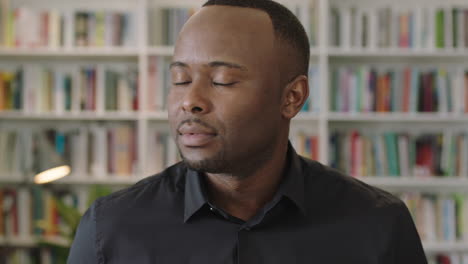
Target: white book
448,28
129,33
109,29
464,258
449,220
160,82
99,148
429,218
372,29
357,22
17,154
460,29
417,28
394,27
3,149
59,93
79,153
345,27
124,94
458,91
27,159
446,150
403,155
353,92
92,29
68,28
441,78
100,88
24,213
431,12
76,89
455,258
464,212
464,157
54,29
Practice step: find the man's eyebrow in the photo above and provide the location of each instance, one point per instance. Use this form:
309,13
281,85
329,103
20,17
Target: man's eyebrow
177,64
214,64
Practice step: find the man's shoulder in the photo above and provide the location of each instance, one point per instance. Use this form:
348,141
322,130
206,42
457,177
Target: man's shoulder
345,191
169,181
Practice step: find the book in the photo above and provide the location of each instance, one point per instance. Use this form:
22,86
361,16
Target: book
398,89
399,153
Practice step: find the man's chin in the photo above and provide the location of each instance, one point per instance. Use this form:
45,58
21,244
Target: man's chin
207,165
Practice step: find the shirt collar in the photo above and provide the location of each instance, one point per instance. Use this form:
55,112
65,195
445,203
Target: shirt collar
292,186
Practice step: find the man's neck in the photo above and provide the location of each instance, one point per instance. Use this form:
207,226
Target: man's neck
243,195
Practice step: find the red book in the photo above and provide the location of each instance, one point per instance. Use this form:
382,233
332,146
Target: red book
354,153
314,147
406,89
442,259
424,155
44,31
110,150
135,97
466,92
380,93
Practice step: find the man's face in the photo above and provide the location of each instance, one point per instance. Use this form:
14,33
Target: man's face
224,102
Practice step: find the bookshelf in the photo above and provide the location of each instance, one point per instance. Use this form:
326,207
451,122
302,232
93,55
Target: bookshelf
147,47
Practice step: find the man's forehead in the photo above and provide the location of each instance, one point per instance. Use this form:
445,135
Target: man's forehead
225,33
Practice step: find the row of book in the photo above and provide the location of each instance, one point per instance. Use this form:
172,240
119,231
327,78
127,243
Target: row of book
61,88
169,22
105,28
97,150
28,256
162,151
28,27
24,27
31,212
313,101
453,258
406,89
306,145
418,27
366,153
442,217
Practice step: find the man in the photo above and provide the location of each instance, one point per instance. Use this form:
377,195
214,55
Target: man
242,194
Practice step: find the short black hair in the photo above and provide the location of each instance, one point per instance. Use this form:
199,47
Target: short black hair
285,25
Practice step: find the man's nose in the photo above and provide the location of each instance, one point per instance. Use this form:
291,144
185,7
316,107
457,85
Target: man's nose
196,100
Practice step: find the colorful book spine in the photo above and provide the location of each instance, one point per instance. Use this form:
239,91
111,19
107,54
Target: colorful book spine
400,153
407,90
395,27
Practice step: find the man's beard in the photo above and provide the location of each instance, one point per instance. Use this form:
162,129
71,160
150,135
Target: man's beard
216,164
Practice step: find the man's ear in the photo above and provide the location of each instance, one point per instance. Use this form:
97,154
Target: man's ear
294,96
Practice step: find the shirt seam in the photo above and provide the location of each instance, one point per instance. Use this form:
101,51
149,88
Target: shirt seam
98,238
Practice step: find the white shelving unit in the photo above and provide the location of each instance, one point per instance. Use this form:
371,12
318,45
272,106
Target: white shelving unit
320,123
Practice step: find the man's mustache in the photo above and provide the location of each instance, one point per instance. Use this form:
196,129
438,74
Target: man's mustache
196,121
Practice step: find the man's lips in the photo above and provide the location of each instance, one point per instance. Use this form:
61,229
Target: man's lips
195,135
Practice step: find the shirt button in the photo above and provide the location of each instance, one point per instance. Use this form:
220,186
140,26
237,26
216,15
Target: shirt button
211,208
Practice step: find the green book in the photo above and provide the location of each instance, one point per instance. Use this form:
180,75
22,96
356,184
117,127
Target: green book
111,90
333,92
392,153
440,27
455,27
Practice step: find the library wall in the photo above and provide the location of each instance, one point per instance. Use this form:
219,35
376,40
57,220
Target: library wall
388,104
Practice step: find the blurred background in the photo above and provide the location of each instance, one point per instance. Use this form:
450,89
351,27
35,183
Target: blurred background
83,87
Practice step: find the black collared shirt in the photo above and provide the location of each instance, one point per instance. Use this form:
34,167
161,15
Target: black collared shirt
317,215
